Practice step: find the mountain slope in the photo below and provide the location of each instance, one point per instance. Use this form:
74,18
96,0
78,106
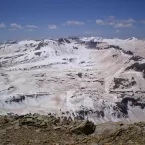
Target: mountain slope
84,78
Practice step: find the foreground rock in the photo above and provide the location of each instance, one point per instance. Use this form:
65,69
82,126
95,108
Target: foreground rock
48,130
85,127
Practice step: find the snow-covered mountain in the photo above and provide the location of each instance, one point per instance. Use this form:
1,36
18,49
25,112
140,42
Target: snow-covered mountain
78,77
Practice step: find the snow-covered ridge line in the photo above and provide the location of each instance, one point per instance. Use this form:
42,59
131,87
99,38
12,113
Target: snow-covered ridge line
84,77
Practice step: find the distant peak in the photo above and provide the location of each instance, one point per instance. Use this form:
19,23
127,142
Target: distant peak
132,38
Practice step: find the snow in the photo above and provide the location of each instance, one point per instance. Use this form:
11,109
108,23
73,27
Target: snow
50,82
135,45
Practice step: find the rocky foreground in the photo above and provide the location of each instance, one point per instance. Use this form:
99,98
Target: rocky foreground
49,130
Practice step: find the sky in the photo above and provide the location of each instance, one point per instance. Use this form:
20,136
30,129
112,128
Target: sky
38,19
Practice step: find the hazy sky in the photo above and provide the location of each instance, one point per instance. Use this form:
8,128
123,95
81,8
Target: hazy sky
34,19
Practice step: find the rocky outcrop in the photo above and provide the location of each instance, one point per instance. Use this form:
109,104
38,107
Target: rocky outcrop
39,46
123,83
137,66
136,58
85,127
40,130
140,67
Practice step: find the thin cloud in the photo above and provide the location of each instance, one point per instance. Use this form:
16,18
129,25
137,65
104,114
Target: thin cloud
2,25
118,31
15,26
52,27
74,23
128,23
111,20
130,20
124,25
111,17
100,22
32,26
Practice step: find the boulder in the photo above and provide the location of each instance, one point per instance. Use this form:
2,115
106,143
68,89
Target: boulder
86,127
35,121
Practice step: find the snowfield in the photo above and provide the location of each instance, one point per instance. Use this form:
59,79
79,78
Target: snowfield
79,77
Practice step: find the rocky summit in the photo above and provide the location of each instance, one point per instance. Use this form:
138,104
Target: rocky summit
48,130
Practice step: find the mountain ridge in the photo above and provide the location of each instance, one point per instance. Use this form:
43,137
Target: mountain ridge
85,78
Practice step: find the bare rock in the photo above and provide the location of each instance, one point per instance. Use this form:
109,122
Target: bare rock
86,127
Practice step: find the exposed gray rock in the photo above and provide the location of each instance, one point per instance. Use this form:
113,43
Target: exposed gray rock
86,127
